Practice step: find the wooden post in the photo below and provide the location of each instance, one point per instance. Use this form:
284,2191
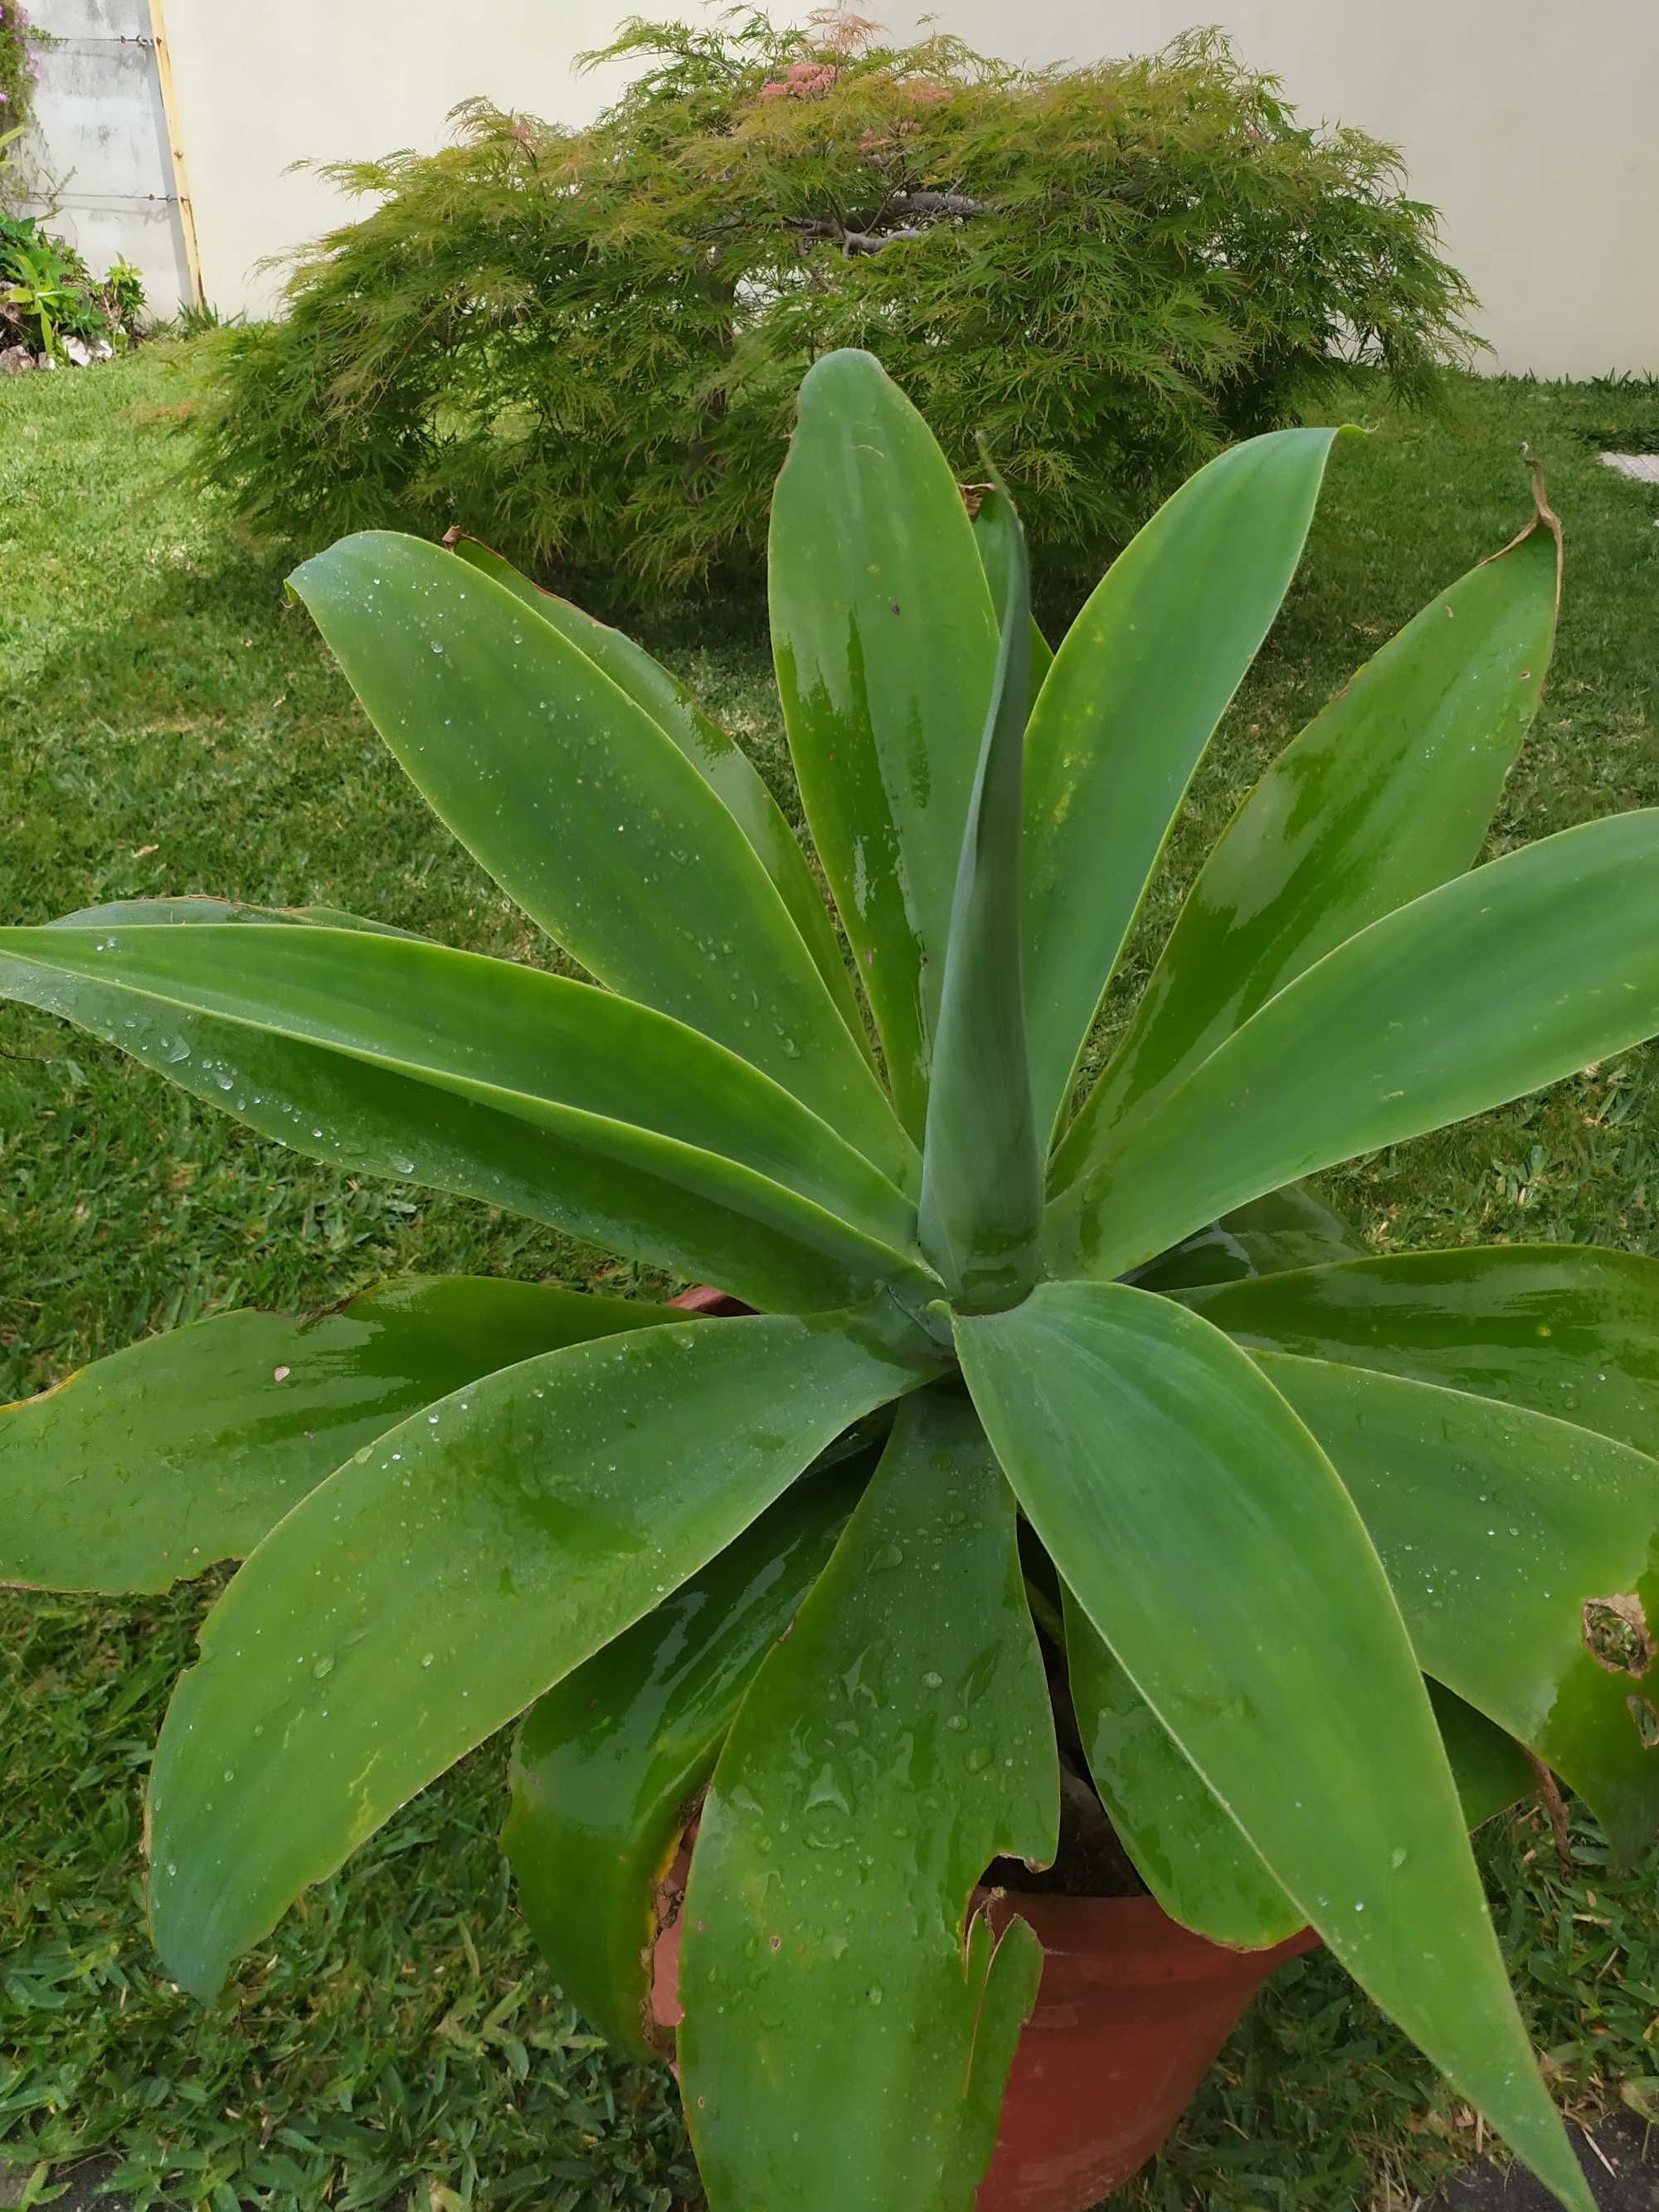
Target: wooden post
176,144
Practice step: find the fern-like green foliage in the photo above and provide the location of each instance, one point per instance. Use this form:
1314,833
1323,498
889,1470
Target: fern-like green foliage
584,345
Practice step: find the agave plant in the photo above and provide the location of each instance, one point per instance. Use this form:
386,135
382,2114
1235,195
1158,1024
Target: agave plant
1111,1361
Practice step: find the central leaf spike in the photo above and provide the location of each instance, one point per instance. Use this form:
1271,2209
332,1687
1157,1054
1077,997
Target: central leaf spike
981,1177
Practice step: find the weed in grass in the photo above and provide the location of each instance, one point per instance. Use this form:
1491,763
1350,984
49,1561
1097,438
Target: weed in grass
168,723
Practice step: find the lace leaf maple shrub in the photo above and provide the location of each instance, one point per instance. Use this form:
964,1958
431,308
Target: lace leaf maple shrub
583,344
1328,1542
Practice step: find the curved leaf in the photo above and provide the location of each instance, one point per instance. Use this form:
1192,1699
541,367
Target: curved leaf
1288,1228
617,1184
1525,1555
1178,1495
195,909
448,1575
1191,1854
1491,1769
1567,1329
886,644
1186,1846
1001,543
587,815
148,1466
1497,982
1139,684
608,1764
899,1739
981,1173
1387,793
722,764
490,1029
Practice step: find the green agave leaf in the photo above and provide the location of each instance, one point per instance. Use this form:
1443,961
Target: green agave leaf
588,815
1288,1228
1177,1494
1524,1552
1007,1967
886,643
148,1466
723,765
1187,1847
839,2052
1191,1853
194,909
982,1174
451,1572
608,1765
1138,685
1001,543
1491,1769
396,1057
1388,793
1566,1329
1503,980
492,1030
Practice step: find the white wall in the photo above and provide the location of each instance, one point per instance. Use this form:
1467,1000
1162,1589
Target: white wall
102,130
260,84
1532,123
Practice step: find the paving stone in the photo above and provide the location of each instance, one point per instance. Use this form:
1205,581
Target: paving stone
1622,2179
84,2182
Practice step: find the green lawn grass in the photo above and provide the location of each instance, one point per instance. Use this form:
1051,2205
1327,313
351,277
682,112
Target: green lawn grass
168,722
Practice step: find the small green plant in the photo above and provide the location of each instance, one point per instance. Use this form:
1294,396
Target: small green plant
46,291
197,319
125,297
48,294
39,294
1110,1370
584,345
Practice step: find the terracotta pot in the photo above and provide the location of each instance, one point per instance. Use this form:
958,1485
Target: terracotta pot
1131,2014
703,1300
1130,2017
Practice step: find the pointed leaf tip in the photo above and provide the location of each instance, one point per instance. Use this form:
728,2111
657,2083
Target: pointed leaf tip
1138,685
885,643
1176,1492
982,1180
